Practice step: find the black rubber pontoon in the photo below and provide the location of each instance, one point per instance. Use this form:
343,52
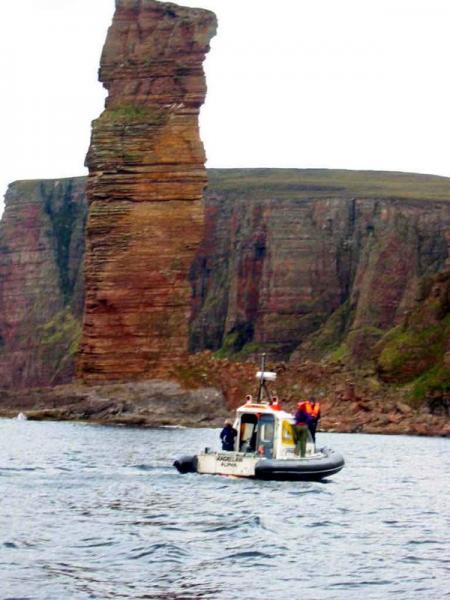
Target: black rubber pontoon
306,469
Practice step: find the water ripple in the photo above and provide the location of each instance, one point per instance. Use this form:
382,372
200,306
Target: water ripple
98,512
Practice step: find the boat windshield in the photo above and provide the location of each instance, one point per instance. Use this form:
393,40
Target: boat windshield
266,430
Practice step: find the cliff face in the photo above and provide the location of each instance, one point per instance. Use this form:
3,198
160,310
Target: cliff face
146,179
305,264
345,266
418,349
41,283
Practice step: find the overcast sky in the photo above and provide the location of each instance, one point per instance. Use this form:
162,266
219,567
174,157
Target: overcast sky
354,84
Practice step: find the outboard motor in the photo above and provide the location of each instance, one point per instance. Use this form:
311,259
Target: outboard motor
186,464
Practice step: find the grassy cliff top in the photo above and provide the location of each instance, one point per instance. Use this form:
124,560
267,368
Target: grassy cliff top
307,183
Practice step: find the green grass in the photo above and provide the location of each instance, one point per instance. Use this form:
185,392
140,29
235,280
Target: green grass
129,114
58,341
236,339
340,354
309,183
327,341
294,183
63,329
436,379
418,348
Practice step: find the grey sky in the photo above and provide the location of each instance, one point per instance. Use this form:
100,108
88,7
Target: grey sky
357,84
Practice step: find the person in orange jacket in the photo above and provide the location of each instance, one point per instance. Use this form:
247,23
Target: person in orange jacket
300,429
313,410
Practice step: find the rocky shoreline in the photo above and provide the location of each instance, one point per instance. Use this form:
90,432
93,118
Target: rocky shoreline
149,403
156,403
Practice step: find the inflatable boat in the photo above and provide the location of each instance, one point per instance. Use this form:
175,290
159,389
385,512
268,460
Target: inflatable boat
322,464
264,446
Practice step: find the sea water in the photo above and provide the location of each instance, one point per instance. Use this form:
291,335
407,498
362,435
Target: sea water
92,511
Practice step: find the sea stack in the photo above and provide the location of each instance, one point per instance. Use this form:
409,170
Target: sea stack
146,180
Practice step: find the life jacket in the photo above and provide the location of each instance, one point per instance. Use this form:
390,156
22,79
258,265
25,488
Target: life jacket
313,411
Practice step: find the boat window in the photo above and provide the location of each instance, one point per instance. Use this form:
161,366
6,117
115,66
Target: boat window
266,432
287,434
266,429
248,432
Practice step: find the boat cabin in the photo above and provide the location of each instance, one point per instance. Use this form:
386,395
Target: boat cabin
267,432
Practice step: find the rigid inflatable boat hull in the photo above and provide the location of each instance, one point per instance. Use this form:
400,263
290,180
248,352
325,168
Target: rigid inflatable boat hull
306,469
310,469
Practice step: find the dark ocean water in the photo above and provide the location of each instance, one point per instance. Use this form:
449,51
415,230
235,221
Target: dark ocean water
99,512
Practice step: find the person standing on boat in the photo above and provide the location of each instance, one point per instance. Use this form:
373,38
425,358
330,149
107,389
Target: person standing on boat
301,428
313,410
228,435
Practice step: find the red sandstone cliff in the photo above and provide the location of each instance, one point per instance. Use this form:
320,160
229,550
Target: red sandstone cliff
41,283
309,242
146,179
305,264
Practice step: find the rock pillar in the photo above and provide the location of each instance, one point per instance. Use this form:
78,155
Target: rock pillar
145,185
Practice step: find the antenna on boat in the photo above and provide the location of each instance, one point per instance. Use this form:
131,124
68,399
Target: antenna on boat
261,378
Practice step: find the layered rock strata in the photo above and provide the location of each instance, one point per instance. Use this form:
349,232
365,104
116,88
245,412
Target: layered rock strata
146,180
302,264
41,283
307,263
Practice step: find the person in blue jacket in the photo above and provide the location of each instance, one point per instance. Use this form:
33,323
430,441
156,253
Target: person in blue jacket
228,435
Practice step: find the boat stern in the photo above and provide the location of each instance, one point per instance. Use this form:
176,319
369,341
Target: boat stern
227,463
